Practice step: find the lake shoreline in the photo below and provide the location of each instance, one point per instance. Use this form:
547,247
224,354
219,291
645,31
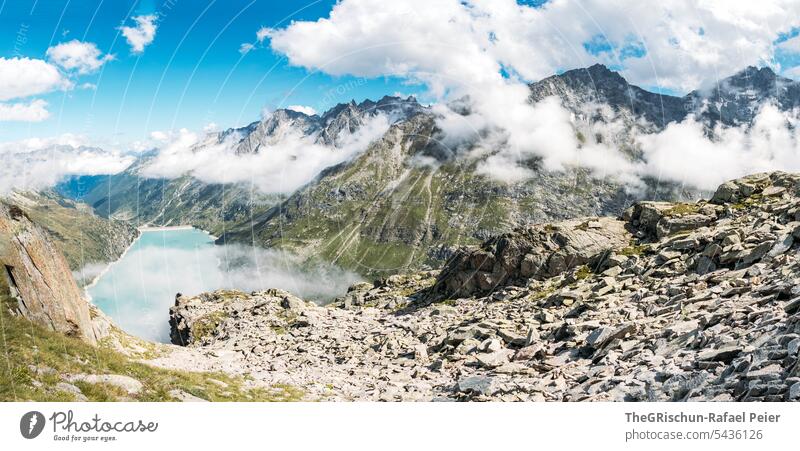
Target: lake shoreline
178,227
105,270
141,230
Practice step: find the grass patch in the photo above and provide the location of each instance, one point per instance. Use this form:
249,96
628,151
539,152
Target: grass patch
206,325
682,208
34,360
633,250
583,272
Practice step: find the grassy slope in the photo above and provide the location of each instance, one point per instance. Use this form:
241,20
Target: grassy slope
82,236
24,347
181,201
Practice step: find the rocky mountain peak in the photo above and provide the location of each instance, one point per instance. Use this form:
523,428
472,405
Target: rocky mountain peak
582,89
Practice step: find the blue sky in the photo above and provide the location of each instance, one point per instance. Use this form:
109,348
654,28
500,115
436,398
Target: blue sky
191,75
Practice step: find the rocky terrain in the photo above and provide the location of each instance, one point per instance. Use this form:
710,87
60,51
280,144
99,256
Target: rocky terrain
81,235
667,302
217,208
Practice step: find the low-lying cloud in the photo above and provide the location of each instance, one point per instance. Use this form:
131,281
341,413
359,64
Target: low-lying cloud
138,291
35,164
685,153
281,166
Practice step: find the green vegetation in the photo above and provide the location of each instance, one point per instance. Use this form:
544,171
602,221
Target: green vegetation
682,208
35,359
207,324
748,202
583,272
82,236
633,250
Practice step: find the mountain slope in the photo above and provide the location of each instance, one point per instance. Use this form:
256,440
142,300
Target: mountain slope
406,201
81,235
132,197
395,207
582,90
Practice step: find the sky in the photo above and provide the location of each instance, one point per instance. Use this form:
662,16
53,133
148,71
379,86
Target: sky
129,75
193,73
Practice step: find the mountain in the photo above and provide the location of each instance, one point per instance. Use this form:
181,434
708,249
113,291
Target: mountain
385,212
405,202
57,347
131,197
83,237
735,100
668,302
37,279
732,101
583,90
138,200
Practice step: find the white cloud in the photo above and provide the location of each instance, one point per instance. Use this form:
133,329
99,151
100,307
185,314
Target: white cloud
262,33
159,136
35,111
466,43
307,110
141,35
280,167
38,163
82,57
245,48
793,73
25,77
684,153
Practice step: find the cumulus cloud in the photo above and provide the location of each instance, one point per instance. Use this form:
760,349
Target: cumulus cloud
793,73
278,167
675,44
262,33
34,111
139,290
245,48
35,164
142,34
25,77
82,57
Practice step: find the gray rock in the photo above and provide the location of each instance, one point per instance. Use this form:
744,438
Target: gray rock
724,354
479,385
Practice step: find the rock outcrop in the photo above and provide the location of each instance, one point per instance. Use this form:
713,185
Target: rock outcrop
703,303
538,251
39,278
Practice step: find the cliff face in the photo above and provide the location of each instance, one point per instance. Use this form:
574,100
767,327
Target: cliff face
39,278
83,237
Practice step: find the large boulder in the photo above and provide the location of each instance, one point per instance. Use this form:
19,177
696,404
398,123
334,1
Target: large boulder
537,251
38,277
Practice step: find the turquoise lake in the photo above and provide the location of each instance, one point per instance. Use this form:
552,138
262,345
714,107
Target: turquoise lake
138,290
